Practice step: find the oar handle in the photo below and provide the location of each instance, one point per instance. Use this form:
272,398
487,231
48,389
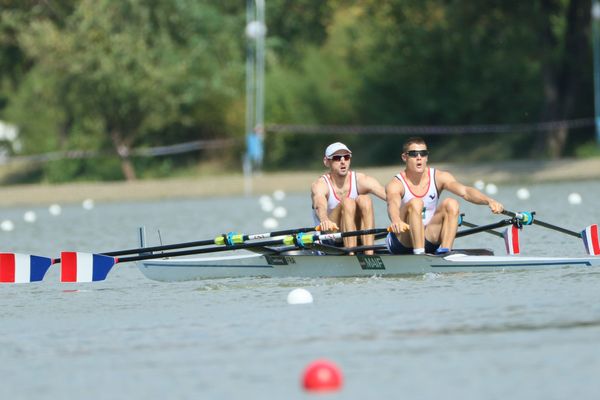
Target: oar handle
545,224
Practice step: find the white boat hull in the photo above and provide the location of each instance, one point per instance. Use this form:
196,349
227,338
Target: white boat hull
257,265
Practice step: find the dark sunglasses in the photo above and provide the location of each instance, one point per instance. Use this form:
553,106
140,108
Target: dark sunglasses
346,157
415,153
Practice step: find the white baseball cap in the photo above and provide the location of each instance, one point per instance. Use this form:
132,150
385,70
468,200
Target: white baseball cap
335,147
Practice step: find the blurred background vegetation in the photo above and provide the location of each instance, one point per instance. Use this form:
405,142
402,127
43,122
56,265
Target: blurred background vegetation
114,76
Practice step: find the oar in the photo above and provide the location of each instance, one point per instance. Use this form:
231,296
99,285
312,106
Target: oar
23,268
484,228
471,225
463,222
86,267
590,235
224,239
528,221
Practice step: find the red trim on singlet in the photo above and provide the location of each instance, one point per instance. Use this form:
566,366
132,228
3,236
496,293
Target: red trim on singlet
410,190
329,180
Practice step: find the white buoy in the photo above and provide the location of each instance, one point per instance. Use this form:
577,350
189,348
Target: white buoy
266,204
280,212
479,184
574,199
299,296
87,204
267,207
30,216
7,225
270,223
523,194
279,195
264,199
491,189
55,210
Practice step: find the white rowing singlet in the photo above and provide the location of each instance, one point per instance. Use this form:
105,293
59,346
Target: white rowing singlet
332,199
430,198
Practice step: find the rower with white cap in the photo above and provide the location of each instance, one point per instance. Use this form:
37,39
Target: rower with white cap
340,198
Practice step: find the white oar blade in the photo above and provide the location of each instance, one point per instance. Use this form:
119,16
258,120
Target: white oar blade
23,268
84,267
591,240
511,240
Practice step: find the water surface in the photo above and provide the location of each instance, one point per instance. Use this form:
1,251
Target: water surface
518,335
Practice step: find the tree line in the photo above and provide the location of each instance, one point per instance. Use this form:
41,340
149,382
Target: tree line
117,75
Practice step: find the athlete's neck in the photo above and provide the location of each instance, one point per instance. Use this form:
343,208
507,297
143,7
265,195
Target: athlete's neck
338,180
416,177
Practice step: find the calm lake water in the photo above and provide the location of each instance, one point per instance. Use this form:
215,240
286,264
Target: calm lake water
517,335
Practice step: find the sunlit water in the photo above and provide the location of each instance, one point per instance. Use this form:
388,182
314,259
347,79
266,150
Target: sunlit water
517,335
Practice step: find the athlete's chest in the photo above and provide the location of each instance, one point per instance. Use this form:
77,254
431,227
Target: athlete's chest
342,190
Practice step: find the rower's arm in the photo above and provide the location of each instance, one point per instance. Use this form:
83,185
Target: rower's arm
394,192
468,193
368,184
319,191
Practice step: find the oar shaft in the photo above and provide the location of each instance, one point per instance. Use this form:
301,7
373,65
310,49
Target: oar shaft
546,225
484,228
470,225
279,233
206,242
215,249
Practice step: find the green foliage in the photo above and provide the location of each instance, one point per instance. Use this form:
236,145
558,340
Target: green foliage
588,150
110,75
131,68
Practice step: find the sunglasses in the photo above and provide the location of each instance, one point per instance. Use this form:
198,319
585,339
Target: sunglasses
346,157
415,153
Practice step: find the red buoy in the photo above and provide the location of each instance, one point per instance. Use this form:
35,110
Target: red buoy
322,376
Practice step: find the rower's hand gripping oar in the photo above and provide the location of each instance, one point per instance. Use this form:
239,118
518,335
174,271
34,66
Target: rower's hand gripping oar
590,235
510,234
86,267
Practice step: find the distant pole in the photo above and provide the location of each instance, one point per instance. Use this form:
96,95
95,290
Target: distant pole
596,44
260,64
255,70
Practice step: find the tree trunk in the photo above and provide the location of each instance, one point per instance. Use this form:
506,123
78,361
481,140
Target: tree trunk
561,80
122,147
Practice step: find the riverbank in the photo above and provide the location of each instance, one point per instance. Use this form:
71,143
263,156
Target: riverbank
291,182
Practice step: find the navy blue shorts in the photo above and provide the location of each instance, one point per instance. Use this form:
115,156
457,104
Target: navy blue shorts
395,247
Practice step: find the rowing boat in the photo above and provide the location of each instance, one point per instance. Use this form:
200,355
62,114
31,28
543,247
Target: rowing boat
309,264
298,252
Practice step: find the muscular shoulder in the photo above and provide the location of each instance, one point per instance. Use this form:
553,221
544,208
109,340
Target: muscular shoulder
319,186
443,176
367,182
394,186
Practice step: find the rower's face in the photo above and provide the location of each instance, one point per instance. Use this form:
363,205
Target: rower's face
416,157
339,162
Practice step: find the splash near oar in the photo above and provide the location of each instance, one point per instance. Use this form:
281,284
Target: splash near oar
23,268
